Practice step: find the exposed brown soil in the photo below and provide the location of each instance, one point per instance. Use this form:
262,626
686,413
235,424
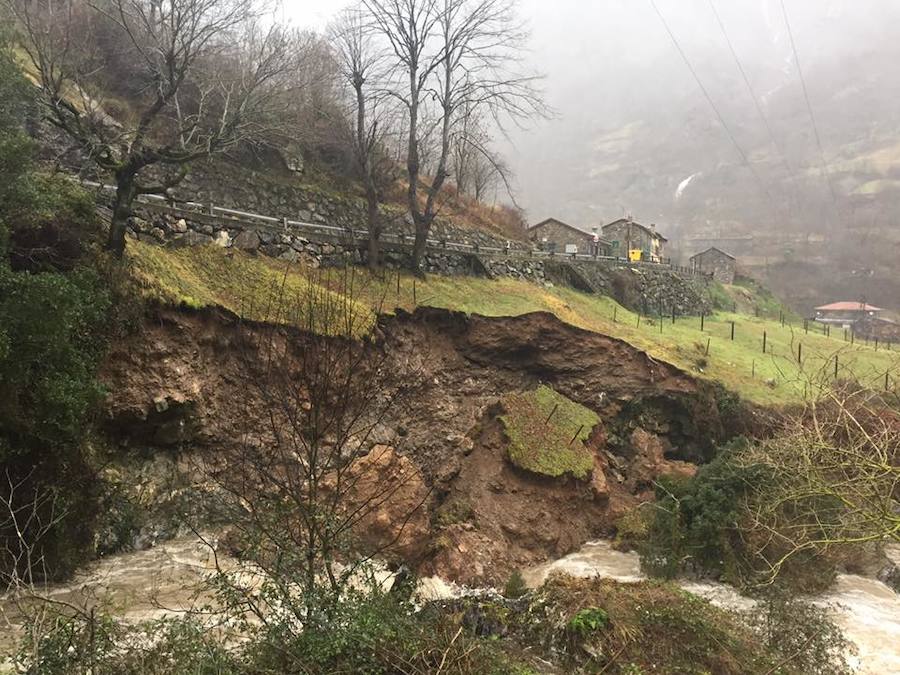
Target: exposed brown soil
178,384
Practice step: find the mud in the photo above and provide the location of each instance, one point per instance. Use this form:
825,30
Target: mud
179,385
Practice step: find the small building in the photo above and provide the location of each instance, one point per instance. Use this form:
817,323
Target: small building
846,313
559,237
625,235
716,262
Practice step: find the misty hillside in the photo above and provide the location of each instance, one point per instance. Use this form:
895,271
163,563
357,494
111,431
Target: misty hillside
635,133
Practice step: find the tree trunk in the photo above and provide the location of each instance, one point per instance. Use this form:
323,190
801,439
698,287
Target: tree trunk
374,230
126,191
422,227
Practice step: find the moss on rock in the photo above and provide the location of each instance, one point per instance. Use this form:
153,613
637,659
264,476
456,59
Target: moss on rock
546,433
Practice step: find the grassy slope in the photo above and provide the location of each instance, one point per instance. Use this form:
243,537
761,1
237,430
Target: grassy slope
541,426
208,276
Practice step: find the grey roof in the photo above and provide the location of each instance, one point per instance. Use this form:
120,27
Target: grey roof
652,233
713,248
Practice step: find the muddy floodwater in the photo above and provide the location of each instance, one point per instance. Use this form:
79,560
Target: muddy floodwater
162,581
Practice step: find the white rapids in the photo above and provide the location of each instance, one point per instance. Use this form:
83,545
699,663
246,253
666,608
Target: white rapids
867,610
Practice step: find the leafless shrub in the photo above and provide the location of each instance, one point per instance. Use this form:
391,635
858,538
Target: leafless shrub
834,480
299,489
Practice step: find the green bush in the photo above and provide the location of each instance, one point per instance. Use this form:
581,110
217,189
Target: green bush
696,525
515,586
588,621
101,645
719,298
797,632
376,634
52,336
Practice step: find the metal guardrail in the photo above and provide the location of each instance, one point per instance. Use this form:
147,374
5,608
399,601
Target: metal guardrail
188,209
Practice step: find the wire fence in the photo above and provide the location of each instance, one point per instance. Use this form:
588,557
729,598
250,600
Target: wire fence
801,351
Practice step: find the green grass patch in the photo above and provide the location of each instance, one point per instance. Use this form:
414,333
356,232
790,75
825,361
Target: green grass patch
547,431
259,289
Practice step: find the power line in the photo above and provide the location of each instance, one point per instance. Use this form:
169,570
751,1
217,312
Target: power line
812,116
753,96
712,103
792,174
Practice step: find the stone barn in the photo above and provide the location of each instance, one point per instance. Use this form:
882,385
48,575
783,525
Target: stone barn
555,235
716,262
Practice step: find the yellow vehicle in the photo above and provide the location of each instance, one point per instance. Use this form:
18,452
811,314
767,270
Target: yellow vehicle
635,255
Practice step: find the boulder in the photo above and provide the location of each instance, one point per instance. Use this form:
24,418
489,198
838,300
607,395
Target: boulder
191,238
649,461
247,240
222,239
392,490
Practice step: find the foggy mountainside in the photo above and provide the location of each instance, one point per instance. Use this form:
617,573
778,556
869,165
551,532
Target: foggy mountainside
632,125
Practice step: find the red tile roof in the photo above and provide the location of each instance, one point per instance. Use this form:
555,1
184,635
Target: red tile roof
850,307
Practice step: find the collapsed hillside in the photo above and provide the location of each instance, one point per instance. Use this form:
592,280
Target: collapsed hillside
176,388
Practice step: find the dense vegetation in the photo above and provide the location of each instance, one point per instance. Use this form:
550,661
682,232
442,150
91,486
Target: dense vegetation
569,625
53,312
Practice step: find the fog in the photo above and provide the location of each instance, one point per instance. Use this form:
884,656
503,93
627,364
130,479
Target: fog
625,99
633,133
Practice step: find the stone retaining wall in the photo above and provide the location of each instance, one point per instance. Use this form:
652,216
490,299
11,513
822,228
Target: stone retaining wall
644,289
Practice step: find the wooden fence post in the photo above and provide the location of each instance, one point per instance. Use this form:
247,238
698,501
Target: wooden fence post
764,342
732,331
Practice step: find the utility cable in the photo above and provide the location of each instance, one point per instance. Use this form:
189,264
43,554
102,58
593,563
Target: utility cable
712,104
756,100
812,117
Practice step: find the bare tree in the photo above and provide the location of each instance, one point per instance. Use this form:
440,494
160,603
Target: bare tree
476,168
361,63
450,56
833,480
307,487
206,75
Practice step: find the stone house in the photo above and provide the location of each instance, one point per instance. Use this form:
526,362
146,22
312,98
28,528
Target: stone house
626,235
846,313
555,235
716,262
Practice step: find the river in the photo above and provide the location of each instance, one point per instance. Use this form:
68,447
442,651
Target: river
161,582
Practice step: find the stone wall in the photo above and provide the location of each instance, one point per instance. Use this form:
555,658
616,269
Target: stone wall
168,230
646,288
227,186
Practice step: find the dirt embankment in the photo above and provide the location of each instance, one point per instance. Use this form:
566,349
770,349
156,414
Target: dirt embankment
178,385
